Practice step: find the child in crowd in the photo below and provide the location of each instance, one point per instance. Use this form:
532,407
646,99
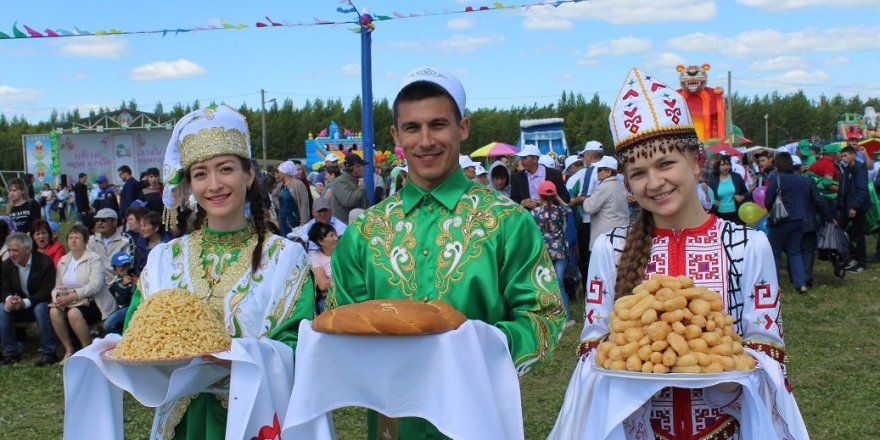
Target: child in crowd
122,289
551,216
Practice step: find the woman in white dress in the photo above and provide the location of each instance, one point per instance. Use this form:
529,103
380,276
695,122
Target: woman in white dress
257,282
661,158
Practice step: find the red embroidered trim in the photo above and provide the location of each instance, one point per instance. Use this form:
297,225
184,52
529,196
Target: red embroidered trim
586,347
777,353
727,430
699,230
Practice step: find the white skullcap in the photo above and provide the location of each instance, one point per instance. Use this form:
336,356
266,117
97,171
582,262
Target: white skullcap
440,77
288,168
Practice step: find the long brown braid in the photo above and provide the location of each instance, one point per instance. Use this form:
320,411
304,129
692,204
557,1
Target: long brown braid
254,197
634,258
637,250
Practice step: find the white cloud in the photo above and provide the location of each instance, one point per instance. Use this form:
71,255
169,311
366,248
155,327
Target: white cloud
460,23
769,42
95,47
179,69
787,5
9,94
619,46
351,69
780,63
621,12
800,77
836,61
663,60
587,62
461,43
566,77
549,23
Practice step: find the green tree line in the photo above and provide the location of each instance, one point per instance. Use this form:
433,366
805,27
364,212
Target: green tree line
790,117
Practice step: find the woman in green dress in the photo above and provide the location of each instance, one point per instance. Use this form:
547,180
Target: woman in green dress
252,279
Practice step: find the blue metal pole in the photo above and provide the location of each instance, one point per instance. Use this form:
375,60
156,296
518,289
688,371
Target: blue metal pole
367,104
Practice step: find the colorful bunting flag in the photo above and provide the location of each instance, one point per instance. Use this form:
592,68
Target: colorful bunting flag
30,32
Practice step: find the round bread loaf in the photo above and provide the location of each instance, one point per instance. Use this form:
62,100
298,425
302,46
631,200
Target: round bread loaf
398,317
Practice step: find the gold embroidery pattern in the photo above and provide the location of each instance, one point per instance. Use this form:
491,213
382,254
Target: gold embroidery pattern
549,315
392,243
293,290
180,407
221,269
478,216
210,142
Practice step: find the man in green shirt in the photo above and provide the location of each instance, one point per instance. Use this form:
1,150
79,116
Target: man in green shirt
445,237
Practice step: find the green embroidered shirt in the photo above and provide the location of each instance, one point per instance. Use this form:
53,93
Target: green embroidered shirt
462,243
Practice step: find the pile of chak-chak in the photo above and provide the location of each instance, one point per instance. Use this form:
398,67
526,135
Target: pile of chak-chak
172,323
668,325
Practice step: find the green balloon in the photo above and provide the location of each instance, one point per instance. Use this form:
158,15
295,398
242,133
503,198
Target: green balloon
751,212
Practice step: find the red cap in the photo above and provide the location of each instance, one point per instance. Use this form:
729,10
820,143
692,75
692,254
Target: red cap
547,188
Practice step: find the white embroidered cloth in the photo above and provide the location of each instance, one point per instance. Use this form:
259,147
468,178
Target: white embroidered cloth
463,382
261,379
595,406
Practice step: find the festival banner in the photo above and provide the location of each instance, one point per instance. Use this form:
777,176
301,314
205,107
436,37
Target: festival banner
100,154
38,158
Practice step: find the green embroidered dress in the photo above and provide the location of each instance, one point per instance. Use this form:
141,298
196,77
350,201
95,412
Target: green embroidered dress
462,243
216,266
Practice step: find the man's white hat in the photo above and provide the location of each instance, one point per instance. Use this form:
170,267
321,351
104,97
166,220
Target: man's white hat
606,162
547,161
331,157
571,160
593,146
464,161
796,160
529,150
480,170
440,77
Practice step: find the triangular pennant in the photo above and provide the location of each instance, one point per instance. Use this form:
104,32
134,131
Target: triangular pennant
16,32
32,32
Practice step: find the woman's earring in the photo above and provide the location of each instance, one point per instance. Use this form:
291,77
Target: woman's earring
247,210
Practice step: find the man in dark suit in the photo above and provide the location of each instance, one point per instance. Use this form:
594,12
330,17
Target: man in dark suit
131,189
25,293
524,184
81,195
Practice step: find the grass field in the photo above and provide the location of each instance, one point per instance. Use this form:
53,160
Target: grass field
832,344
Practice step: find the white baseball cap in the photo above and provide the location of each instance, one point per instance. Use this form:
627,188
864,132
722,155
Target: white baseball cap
528,150
606,162
796,160
464,161
331,157
593,146
547,161
480,170
571,160
440,77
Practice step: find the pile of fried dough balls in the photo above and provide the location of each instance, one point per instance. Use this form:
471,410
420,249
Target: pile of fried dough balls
669,326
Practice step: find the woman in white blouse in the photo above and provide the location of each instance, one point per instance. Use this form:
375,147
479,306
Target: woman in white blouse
81,297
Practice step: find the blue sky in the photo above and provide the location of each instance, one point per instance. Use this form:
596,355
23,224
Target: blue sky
504,58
